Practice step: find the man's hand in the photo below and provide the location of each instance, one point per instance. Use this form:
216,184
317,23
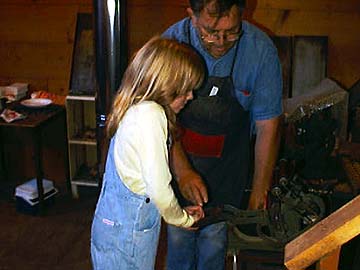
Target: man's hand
257,200
193,188
190,183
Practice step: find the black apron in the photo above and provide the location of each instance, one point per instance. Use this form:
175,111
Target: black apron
216,137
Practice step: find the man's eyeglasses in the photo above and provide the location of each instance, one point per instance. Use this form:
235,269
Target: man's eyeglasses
211,35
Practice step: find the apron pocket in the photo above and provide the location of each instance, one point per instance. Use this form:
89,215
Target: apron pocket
202,145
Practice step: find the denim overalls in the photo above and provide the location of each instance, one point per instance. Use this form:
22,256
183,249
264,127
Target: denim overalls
126,226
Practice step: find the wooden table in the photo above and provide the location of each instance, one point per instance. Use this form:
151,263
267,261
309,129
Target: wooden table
36,120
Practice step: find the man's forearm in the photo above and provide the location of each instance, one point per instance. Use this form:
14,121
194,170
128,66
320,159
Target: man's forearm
266,152
190,183
178,160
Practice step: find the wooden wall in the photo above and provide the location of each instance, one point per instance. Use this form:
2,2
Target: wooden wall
37,36
36,42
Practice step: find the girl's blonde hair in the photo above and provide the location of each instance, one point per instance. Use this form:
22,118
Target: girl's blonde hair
160,71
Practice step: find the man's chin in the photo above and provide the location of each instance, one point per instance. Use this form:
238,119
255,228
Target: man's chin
219,51
218,54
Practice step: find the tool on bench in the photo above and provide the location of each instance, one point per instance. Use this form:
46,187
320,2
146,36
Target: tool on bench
293,208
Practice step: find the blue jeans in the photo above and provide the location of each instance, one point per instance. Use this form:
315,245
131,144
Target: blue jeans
203,249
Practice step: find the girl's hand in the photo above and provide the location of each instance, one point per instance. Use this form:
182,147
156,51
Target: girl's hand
196,212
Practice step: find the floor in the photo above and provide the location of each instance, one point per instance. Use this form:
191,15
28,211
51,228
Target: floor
60,239
57,240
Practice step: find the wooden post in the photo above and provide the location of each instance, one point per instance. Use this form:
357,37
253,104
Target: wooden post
330,261
325,237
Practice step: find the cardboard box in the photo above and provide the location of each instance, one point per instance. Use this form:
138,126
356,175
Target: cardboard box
16,89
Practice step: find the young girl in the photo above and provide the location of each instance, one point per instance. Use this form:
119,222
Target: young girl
136,189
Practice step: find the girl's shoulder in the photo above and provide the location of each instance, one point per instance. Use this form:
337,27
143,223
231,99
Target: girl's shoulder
148,110
148,106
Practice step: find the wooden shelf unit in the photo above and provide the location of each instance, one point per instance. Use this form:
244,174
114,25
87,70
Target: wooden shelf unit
82,143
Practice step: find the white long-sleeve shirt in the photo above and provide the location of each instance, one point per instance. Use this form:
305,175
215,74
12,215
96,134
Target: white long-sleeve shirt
141,158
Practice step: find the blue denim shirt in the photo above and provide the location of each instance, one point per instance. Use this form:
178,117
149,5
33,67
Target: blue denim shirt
257,72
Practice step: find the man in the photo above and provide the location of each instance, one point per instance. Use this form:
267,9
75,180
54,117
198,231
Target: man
242,94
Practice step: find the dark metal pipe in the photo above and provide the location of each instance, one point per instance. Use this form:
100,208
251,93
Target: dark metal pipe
111,60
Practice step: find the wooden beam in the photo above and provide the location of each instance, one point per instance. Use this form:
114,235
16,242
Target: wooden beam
325,237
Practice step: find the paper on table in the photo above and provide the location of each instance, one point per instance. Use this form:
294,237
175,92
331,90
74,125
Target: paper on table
10,115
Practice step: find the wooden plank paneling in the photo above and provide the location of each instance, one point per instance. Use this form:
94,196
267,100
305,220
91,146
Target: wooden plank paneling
46,2
344,59
58,86
36,45
158,4
299,22
143,22
37,24
35,60
319,5
83,6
